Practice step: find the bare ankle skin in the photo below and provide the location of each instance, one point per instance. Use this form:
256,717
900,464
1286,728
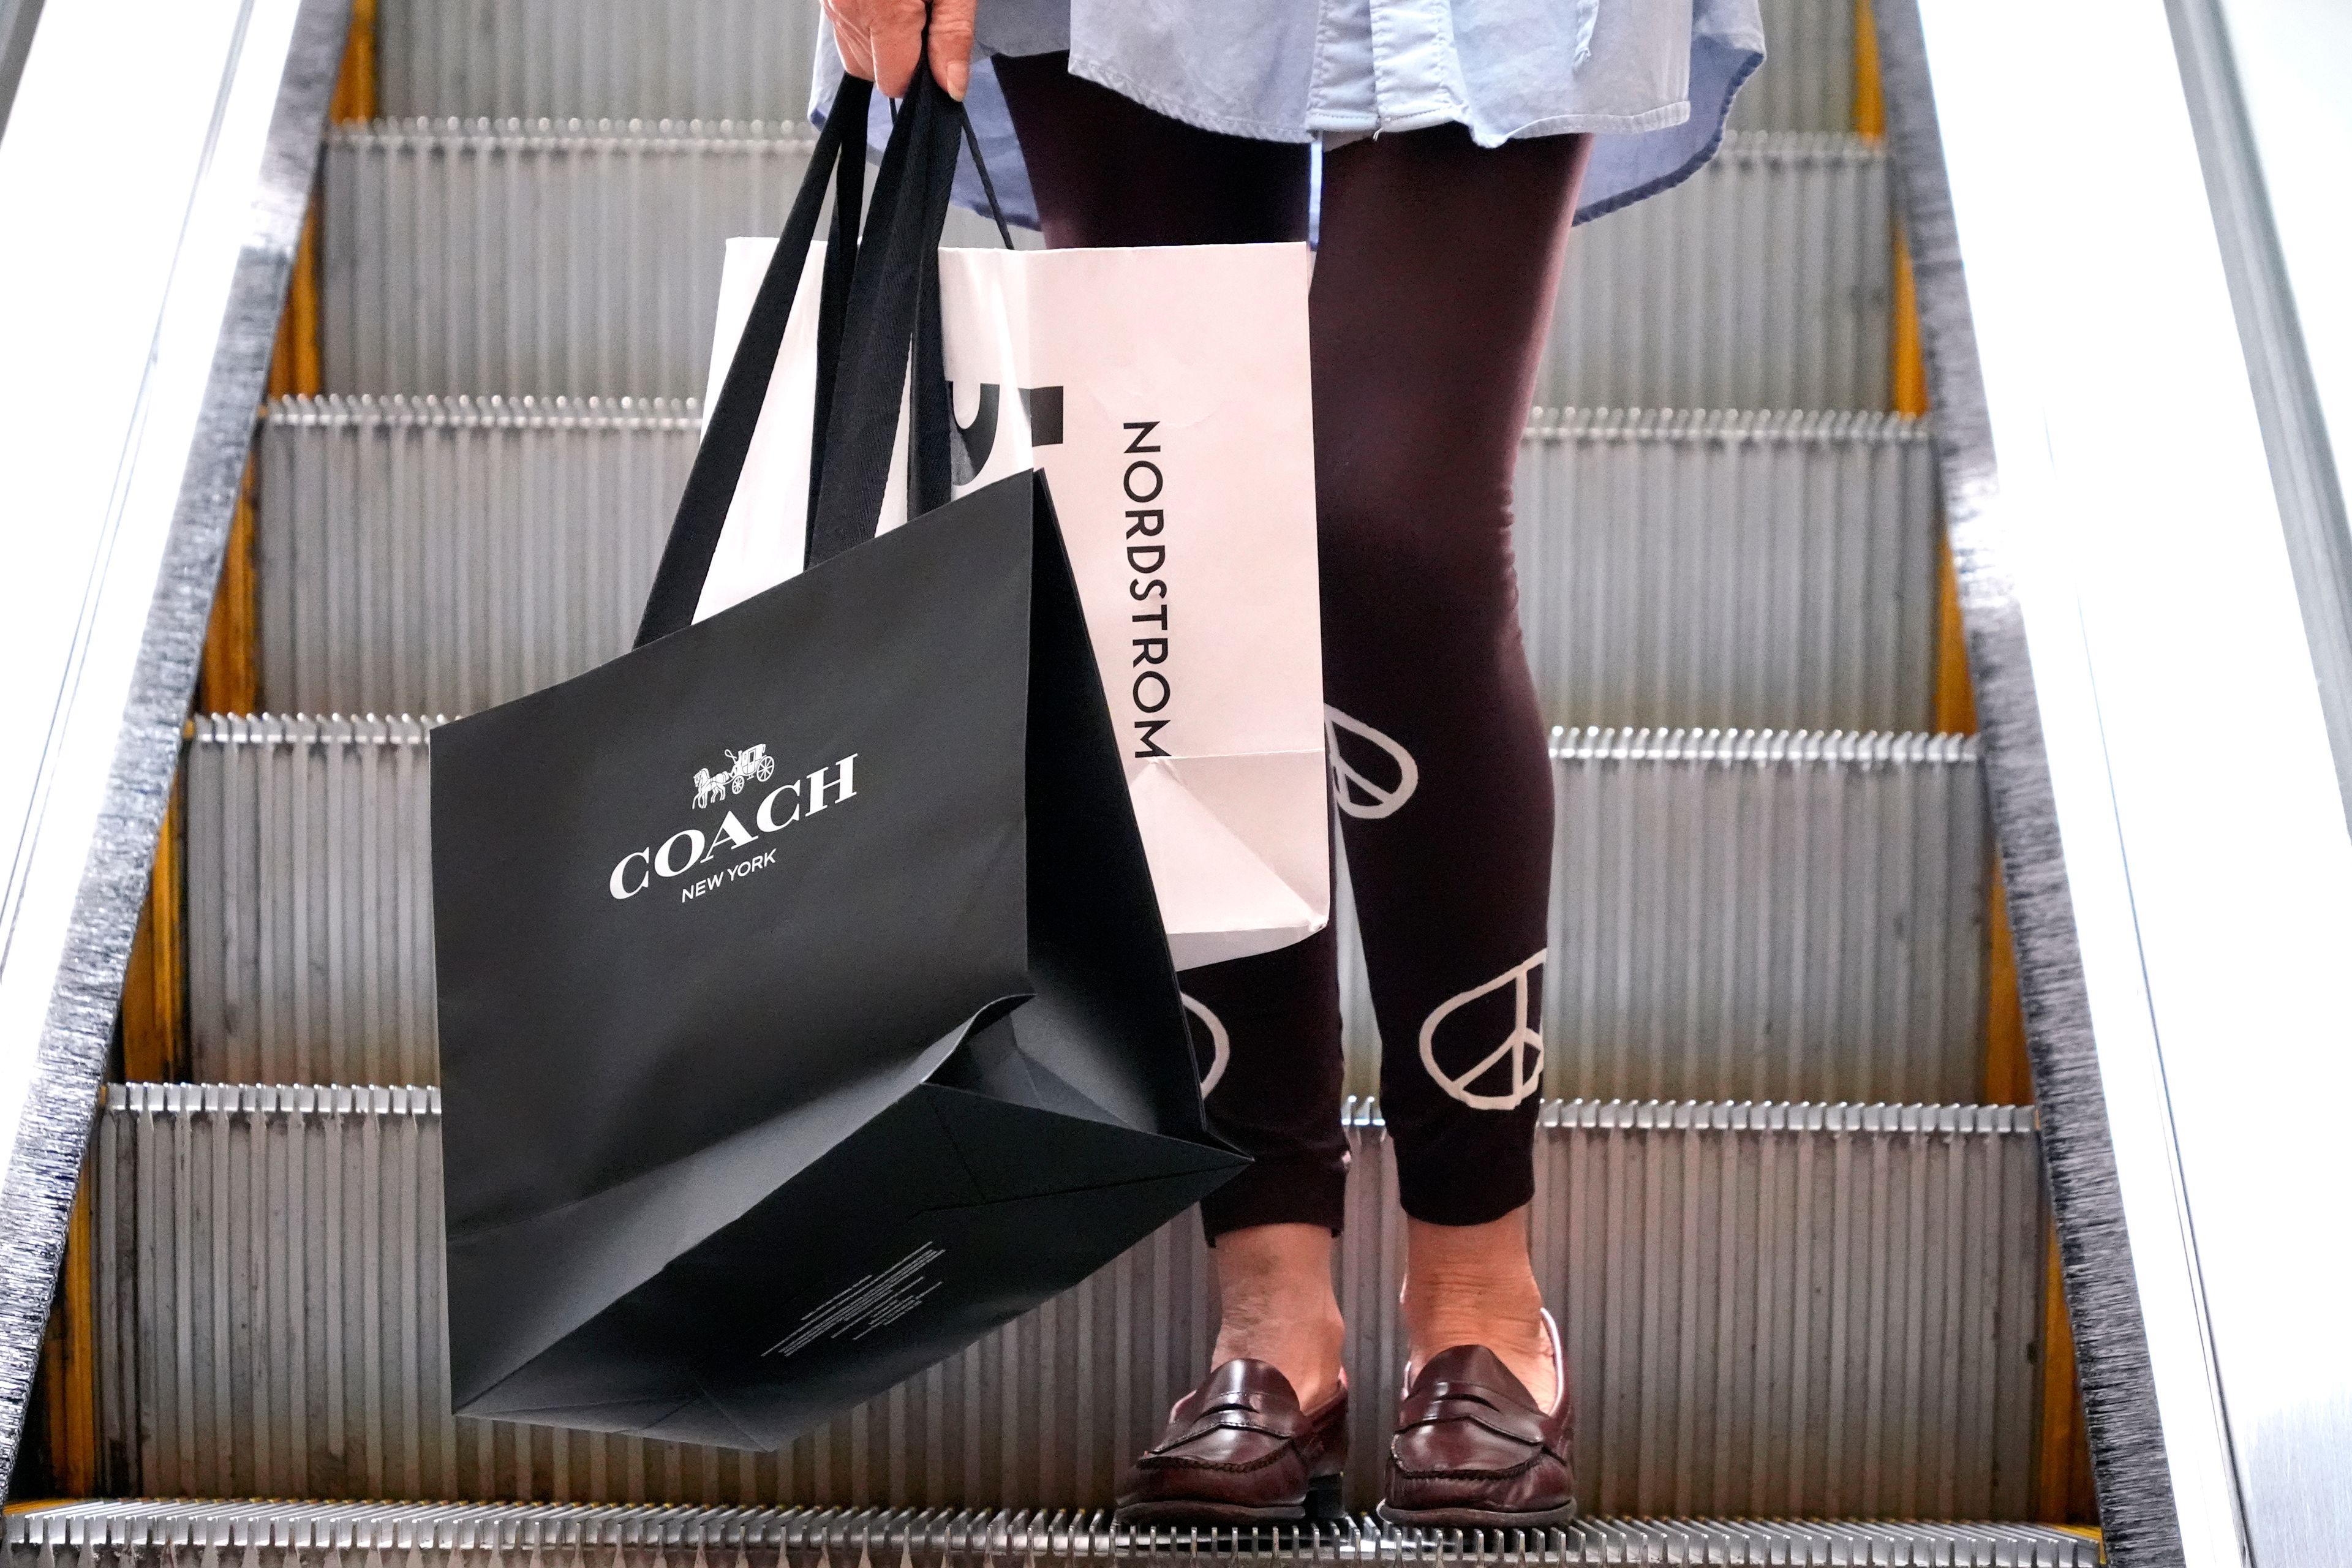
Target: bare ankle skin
1276,1304
1474,1285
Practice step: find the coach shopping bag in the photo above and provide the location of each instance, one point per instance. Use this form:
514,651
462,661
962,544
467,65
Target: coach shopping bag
805,1007
1165,393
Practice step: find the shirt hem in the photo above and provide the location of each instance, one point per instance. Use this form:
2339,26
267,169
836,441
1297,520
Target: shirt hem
1339,131
1099,72
1689,166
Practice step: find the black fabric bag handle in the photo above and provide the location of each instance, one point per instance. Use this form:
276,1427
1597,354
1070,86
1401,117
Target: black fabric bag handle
894,316
832,299
880,290
719,463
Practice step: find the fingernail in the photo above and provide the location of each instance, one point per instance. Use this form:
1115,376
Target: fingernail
956,77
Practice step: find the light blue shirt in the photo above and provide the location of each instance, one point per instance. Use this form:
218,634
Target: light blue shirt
1653,80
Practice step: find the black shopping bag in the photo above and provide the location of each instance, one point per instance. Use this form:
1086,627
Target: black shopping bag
805,1007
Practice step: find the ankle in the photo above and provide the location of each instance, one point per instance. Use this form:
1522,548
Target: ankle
1304,1349
1276,1304
1475,1285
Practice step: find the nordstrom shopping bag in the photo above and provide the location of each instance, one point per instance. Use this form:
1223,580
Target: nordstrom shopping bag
805,1007
1165,393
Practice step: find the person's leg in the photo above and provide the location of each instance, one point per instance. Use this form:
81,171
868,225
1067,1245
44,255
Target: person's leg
1433,289
1108,172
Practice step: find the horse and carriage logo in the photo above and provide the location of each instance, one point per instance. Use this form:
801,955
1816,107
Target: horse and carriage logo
750,765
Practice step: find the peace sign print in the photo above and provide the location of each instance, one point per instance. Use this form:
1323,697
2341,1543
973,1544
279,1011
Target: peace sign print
1221,1044
1358,795
1515,1066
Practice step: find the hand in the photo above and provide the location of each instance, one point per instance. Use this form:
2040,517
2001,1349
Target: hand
881,39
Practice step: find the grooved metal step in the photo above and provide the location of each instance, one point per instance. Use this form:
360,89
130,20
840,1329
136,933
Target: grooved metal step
623,59
583,258
1779,916
750,59
1764,281
1759,916
1753,570
546,256
1806,82
442,555
1808,1309
313,1535
571,257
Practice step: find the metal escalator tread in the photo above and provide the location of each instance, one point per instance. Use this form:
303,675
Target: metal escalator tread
313,1535
1759,569
1739,288
1826,1309
1774,915
519,257
1774,1309
750,59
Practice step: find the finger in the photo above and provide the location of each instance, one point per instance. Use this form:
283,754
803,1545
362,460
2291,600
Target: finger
850,37
898,33
951,44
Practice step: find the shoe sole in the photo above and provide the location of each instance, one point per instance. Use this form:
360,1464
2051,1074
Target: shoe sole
1321,1502
1477,1518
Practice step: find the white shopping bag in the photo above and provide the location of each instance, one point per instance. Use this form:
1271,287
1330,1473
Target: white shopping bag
1164,391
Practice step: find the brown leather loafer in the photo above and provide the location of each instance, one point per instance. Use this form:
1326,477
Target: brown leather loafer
1239,1451
1473,1451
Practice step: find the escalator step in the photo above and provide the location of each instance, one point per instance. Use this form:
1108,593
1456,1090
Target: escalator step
309,901
1815,1309
582,257
575,257
522,258
1756,569
750,59
442,555
1774,916
438,1535
1746,569
1765,281
1779,916
623,59
1806,82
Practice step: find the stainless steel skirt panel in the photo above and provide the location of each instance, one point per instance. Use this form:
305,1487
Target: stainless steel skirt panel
309,901
1767,916
1812,1310
1781,916
623,59
1740,569
461,1535
1764,281
582,258
1748,569
423,556
574,258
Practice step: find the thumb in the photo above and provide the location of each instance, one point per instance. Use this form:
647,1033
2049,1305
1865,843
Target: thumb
950,45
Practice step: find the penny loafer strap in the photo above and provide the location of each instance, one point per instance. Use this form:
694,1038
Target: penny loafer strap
1475,1403
1241,1414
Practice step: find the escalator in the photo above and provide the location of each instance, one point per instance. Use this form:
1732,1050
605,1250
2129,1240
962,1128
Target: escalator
1805,1270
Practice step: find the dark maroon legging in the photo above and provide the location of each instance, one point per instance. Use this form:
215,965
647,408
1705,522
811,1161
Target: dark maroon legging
1434,281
